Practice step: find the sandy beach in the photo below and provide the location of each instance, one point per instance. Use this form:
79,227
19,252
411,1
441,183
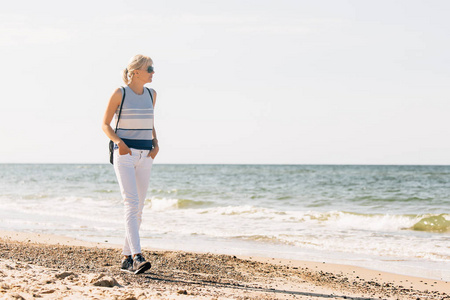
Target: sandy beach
54,267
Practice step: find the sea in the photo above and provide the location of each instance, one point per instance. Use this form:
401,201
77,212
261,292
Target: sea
388,218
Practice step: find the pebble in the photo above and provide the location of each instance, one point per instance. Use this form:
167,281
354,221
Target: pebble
105,281
63,275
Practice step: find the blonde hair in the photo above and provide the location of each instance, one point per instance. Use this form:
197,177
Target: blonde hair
136,62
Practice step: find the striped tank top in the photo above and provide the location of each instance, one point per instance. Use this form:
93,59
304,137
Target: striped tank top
136,120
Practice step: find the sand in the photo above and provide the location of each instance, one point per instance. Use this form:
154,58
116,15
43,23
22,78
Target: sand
37,266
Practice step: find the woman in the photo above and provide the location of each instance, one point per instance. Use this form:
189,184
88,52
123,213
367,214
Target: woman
135,148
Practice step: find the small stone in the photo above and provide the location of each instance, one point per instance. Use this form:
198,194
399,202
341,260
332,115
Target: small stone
182,292
63,275
105,281
47,280
95,277
72,277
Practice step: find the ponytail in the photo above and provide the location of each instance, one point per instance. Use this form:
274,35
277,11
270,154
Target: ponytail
125,76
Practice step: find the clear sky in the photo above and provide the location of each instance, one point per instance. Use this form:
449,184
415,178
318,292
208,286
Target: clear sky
292,82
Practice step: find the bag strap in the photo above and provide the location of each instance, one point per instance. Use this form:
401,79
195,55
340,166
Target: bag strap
150,94
121,105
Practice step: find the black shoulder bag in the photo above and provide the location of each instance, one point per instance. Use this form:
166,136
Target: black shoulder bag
111,143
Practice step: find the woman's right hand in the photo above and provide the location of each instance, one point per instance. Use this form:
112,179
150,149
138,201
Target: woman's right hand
123,149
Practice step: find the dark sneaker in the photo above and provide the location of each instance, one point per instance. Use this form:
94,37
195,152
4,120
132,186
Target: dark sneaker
140,265
127,264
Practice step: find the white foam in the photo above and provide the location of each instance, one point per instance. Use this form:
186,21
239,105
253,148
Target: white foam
162,204
381,235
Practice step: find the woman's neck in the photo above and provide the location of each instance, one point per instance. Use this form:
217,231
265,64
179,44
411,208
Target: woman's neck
137,87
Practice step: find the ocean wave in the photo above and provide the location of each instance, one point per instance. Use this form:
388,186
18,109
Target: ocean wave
398,198
433,224
336,220
248,211
105,191
272,239
380,222
161,204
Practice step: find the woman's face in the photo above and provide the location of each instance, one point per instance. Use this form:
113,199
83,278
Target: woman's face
146,74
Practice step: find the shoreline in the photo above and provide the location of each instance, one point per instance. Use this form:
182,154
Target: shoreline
245,254
182,275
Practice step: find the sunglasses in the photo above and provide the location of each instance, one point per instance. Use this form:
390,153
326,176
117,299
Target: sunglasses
150,69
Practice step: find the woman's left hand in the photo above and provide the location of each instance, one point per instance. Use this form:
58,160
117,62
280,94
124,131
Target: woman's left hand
153,152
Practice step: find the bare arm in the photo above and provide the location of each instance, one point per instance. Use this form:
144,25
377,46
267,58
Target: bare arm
155,149
113,104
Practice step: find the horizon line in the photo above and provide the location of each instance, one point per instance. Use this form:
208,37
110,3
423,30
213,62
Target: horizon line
231,164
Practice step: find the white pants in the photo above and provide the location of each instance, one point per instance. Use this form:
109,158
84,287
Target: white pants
133,173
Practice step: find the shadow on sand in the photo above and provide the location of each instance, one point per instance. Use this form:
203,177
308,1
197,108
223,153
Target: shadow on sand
236,286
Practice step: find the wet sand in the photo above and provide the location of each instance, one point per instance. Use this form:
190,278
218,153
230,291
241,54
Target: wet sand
51,267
